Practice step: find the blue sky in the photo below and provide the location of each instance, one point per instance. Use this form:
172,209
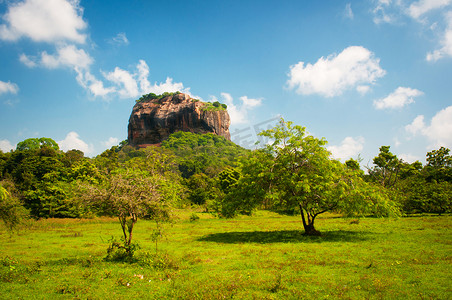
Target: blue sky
361,74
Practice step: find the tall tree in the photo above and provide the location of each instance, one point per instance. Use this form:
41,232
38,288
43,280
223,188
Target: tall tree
387,167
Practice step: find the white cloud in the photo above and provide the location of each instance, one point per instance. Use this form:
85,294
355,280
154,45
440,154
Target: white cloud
399,98
120,39
44,21
446,42
416,126
125,81
130,85
390,11
6,146
8,87
348,12
143,74
348,148
331,76
73,141
112,141
157,88
67,56
93,85
409,158
168,86
421,7
28,60
363,89
239,113
439,132
381,14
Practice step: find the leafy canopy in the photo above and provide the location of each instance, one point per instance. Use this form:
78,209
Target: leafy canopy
296,171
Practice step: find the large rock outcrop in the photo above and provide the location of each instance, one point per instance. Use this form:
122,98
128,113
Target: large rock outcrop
152,121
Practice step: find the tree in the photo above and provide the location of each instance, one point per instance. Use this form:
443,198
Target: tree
439,165
11,210
387,167
128,194
200,189
35,143
143,186
295,171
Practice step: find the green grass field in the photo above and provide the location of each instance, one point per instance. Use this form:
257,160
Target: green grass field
260,257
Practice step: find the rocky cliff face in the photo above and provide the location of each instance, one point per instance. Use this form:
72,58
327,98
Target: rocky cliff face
152,121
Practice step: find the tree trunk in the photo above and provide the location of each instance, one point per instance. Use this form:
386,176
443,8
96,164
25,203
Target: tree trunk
308,223
310,230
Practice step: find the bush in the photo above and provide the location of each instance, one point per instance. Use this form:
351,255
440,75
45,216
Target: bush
121,251
194,217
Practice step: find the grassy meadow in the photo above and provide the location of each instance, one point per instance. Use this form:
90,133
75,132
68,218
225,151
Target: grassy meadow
264,256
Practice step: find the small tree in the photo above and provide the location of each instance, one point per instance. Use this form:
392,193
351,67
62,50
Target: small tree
129,194
295,171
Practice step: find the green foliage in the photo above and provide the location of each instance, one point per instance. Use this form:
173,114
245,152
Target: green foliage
35,143
128,195
387,167
202,153
137,184
295,171
352,164
439,165
152,96
121,250
200,189
215,106
416,188
194,217
12,213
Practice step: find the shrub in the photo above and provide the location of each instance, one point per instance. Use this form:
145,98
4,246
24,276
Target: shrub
194,217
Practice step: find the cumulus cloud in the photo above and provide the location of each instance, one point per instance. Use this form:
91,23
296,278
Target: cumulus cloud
6,146
239,113
73,141
67,56
93,85
8,87
331,76
133,84
125,81
348,148
44,21
439,132
418,125
60,22
399,98
112,141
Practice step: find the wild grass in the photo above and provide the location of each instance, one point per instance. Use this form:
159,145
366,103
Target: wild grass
260,257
